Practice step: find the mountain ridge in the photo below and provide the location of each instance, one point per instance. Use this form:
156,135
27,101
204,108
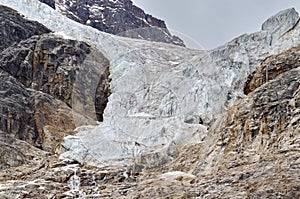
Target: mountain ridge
119,17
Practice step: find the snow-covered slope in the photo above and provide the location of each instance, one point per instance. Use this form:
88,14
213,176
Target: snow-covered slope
162,93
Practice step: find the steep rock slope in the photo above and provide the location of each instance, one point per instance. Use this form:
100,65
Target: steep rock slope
119,17
45,63
15,28
31,116
51,64
271,68
35,69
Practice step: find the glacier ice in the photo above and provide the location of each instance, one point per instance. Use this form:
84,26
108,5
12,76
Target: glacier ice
161,92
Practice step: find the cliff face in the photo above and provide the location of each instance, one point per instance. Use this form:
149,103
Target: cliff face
15,28
38,74
271,68
116,17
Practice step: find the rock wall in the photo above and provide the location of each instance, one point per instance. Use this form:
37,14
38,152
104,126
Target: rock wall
39,78
271,68
14,27
46,63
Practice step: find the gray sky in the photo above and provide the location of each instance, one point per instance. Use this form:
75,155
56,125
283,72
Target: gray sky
212,23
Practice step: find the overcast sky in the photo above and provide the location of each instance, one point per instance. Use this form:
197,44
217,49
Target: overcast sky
214,22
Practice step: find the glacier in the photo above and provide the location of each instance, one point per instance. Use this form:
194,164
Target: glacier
163,96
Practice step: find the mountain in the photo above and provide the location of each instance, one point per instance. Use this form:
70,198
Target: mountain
85,113
118,17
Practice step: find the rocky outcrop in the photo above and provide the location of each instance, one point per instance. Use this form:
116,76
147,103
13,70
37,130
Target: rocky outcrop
31,116
46,63
116,17
50,3
39,78
272,67
14,28
17,111
52,65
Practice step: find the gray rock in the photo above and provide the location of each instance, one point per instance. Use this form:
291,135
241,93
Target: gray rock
281,23
53,65
119,17
14,28
36,69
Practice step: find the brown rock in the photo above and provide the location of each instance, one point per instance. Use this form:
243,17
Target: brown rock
272,67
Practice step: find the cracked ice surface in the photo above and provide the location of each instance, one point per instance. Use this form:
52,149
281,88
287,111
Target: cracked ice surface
160,91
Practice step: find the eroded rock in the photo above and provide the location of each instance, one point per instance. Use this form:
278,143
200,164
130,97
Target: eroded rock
272,67
14,28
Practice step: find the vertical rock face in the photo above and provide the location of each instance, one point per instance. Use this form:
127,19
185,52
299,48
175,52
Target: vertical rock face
14,28
38,74
271,68
51,65
16,110
46,63
31,116
119,17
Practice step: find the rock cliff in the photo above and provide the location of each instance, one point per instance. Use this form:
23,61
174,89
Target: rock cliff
38,76
15,28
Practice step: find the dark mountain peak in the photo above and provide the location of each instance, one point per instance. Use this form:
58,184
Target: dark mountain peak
118,17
